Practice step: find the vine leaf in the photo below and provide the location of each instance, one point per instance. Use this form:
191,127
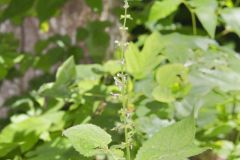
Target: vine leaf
88,139
141,63
163,9
171,143
206,11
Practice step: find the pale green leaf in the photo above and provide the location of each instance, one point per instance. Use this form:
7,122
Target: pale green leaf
141,63
162,9
206,11
23,134
116,154
58,149
151,124
88,139
88,76
171,143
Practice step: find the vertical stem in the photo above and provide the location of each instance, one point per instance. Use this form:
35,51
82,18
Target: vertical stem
194,24
124,91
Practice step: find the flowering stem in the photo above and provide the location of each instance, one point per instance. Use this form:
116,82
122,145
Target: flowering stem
122,82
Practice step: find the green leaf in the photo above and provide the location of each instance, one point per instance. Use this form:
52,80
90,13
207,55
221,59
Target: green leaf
23,134
140,64
215,79
67,72
46,61
179,47
66,75
82,34
16,8
46,9
88,139
116,154
88,76
163,9
172,82
112,66
58,149
97,40
171,143
206,11
232,20
151,124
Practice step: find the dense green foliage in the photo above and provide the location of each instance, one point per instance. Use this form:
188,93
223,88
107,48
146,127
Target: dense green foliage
183,85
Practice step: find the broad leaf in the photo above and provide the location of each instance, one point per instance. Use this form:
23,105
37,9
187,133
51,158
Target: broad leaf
171,143
46,9
88,139
206,11
179,47
23,134
215,79
162,9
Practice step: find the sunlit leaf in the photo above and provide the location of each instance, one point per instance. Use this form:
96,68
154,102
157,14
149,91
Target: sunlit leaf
88,139
171,143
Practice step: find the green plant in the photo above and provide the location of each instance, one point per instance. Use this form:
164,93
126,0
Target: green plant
84,137
175,93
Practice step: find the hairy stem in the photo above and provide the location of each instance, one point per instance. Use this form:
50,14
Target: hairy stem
124,80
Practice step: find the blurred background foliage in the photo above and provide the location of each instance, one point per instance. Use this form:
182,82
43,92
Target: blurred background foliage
183,59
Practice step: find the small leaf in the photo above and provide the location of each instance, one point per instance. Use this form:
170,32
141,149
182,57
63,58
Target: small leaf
88,139
67,72
163,9
66,75
171,143
206,11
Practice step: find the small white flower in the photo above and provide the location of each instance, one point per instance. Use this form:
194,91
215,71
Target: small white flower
126,5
